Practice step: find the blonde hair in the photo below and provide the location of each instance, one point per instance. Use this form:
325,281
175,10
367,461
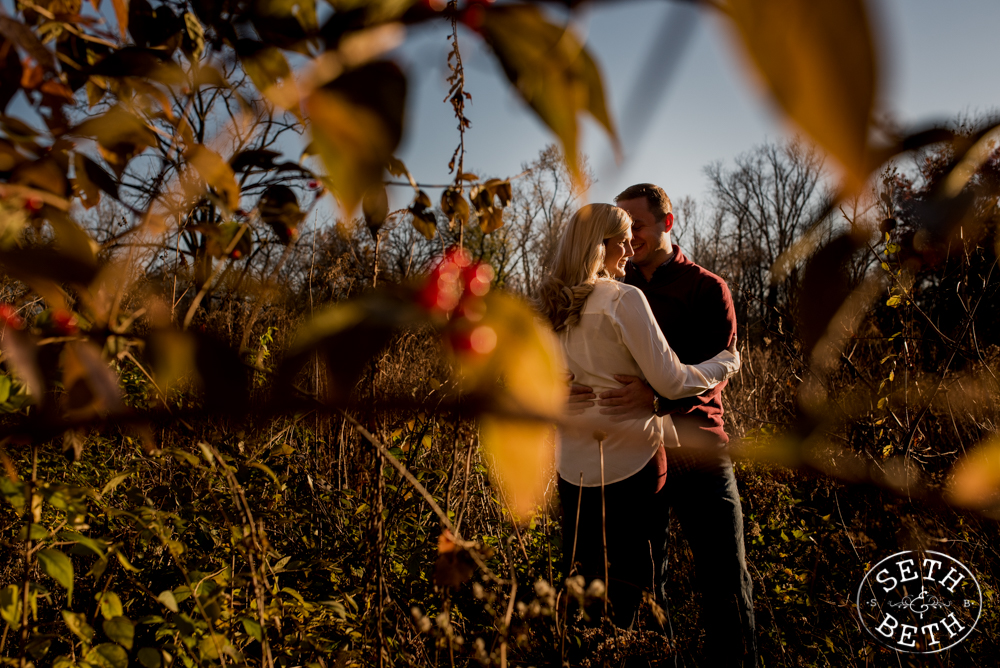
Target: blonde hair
579,263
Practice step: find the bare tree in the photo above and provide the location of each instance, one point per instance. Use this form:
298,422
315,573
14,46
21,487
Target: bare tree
760,208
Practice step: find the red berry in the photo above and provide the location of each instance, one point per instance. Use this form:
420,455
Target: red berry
9,316
313,185
33,204
241,213
236,254
64,322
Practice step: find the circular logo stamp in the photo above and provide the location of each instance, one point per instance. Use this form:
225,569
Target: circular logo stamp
919,602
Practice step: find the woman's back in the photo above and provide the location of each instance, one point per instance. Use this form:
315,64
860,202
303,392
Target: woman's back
595,351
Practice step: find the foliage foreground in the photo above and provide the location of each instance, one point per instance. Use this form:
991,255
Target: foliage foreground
236,432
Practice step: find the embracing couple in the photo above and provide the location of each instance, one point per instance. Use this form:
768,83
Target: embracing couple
650,338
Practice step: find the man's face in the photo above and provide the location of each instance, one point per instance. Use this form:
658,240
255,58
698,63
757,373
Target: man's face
650,241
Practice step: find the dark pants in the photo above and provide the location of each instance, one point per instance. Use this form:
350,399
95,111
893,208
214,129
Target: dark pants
705,500
628,506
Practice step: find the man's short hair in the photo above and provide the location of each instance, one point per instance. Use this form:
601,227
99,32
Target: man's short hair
656,198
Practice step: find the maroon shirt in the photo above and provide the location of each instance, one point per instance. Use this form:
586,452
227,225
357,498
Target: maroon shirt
694,309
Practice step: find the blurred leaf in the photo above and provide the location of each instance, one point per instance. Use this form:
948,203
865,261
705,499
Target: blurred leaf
454,206
120,135
108,655
454,566
138,62
253,629
261,158
10,606
357,122
167,598
110,604
87,190
375,207
490,220
95,546
825,286
58,566
121,630
196,36
97,175
520,455
974,481
91,386
348,335
20,350
150,657
818,61
212,645
27,263
285,23
423,217
43,174
216,172
71,240
265,65
121,14
551,70
141,21
17,32
279,208
77,623
10,74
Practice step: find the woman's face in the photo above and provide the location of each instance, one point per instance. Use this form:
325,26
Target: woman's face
617,251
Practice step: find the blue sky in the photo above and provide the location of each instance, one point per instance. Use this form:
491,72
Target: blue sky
936,63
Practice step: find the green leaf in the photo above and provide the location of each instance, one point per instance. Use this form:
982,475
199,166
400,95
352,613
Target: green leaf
58,566
10,605
121,630
5,385
894,301
95,546
212,645
111,605
108,655
149,657
166,597
125,563
253,629
77,623
818,61
552,71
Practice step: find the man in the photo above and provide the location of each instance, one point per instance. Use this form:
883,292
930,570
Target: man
694,309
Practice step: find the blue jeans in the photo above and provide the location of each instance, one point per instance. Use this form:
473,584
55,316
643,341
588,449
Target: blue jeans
706,502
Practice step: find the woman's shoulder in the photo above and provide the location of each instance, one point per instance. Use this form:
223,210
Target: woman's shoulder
609,295
613,288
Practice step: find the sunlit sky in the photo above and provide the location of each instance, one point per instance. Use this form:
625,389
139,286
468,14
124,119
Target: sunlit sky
936,58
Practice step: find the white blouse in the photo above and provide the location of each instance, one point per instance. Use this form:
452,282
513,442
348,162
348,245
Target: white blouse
617,334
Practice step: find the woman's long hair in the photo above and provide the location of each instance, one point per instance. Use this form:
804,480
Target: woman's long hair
579,263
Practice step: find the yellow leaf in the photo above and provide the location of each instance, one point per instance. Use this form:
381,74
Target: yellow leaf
552,71
975,479
818,62
520,454
357,122
216,172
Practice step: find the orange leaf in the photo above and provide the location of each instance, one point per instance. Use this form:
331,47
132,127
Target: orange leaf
121,13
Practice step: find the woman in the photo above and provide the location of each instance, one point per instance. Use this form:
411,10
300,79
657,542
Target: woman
607,328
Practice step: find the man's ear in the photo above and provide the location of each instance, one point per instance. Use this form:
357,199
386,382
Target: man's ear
668,222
